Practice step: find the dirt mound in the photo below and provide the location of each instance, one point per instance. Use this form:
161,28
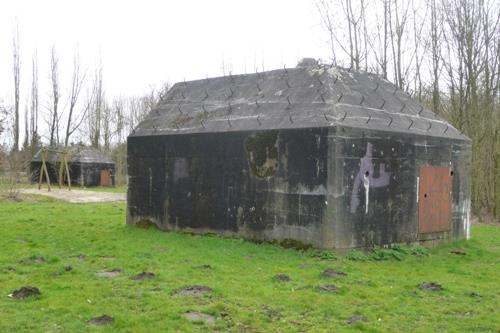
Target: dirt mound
432,286
356,319
80,257
109,274
328,288
25,292
143,276
193,290
34,259
102,320
281,277
332,273
273,314
199,316
145,224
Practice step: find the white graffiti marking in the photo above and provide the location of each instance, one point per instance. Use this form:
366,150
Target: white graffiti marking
365,178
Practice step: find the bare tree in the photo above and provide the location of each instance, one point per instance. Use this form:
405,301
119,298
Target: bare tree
435,36
27,140
354,21
94,113
119,118
3,115
398,16
54,115
34,103
384,61
16,68
325,10
471,61
107,126
74,94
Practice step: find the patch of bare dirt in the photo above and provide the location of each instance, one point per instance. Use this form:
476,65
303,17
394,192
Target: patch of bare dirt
33,259
332,273
10,198
101,321
8,269
109,274
199,316
281,278
143,276
432,286
78,196
25,292
80,257
356,319
271,313
328,288
193,291
145,224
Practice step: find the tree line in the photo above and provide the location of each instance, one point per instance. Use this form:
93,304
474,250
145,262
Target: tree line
446,54
73,112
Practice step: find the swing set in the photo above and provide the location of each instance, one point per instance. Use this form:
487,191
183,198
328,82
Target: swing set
62,156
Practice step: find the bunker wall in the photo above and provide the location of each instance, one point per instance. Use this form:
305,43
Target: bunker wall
266,185
377,182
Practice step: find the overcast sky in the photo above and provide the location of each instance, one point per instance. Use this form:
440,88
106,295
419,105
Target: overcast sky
145,43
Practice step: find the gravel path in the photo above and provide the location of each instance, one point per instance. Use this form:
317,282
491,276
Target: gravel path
78,196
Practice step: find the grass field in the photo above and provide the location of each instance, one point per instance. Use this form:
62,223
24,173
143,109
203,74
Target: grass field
92,238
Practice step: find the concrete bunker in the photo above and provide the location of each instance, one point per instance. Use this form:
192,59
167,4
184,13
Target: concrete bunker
321,155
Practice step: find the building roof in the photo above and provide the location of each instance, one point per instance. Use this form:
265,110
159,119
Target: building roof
76,154
310,95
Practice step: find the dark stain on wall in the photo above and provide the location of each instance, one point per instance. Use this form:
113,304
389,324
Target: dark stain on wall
262,153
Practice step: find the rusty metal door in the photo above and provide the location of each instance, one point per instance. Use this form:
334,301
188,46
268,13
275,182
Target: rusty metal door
105,178
434,208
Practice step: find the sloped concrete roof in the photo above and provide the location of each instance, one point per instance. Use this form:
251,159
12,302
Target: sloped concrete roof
76,154
307,96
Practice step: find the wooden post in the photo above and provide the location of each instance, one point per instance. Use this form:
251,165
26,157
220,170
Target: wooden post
61,169
44,170
40,178
67,170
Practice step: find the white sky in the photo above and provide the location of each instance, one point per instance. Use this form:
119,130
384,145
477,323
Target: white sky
145,43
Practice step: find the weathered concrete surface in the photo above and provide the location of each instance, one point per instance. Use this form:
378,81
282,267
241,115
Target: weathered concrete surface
322,156
331,188
78,196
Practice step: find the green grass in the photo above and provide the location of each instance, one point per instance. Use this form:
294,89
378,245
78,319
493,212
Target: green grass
245,297
5,185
